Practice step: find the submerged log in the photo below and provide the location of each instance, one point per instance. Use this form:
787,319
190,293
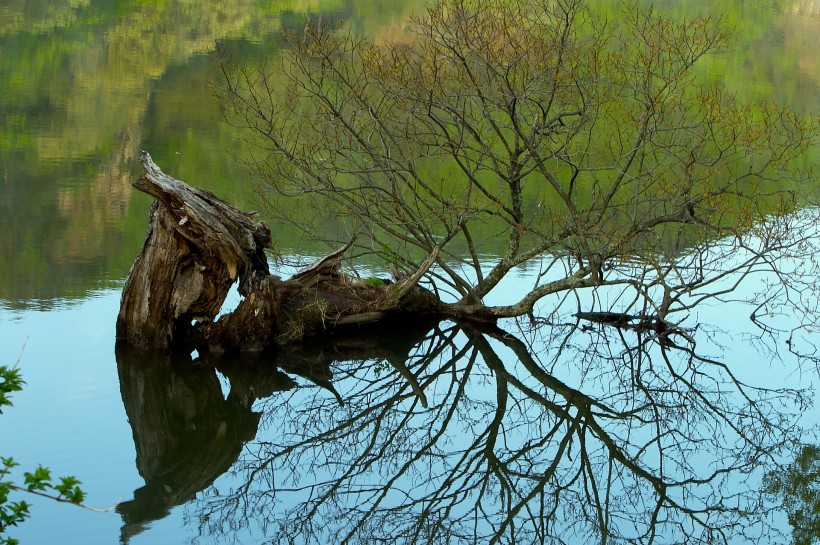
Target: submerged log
197,246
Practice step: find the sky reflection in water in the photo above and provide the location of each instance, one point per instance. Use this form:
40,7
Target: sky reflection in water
305,439
77,416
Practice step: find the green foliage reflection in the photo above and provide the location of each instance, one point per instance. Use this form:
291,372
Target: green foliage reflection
86,85
798,487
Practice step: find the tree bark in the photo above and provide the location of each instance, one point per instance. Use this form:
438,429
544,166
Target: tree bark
197,246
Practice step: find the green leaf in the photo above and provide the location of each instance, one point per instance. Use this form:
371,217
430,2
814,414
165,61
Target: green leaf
39,480
69,488
10,381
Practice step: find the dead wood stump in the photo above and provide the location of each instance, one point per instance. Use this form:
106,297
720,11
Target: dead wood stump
197,246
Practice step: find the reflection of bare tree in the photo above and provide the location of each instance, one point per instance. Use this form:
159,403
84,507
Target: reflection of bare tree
597,435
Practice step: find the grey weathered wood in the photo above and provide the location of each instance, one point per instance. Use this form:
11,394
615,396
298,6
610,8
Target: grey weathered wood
196,247
331,261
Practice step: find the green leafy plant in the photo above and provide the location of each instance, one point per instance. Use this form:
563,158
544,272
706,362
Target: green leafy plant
38,482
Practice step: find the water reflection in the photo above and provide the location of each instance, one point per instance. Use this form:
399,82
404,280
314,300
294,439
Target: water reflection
185,431
86,85
461,435
797,488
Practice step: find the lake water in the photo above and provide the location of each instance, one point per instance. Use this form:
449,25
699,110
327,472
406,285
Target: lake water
261,451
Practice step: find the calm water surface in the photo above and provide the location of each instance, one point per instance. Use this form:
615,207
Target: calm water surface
85,85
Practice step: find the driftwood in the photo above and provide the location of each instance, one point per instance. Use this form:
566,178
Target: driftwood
197,246
642,323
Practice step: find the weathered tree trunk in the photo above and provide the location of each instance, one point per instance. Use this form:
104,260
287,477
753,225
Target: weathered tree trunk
197,246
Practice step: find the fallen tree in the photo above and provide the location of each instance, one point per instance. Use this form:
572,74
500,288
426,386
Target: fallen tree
197,246
536,137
